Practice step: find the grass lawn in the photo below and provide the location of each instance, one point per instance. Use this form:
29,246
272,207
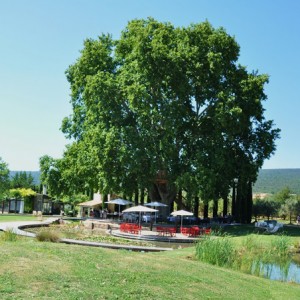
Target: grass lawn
37,270
16,217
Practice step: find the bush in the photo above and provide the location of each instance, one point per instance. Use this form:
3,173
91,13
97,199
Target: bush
47,236
9,236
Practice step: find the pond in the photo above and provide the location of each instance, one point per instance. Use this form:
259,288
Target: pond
288,272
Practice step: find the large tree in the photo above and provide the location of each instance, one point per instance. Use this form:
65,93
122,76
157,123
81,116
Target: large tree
164,107
4,182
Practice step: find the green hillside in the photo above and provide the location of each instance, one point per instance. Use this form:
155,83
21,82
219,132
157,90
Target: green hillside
274,180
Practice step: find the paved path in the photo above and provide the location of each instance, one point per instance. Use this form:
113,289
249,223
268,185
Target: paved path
16,227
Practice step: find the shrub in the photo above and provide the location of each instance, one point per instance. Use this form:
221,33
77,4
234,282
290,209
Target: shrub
47,236
9,236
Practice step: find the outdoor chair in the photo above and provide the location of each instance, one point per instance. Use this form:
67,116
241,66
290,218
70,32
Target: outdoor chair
194,231
185,230
207,231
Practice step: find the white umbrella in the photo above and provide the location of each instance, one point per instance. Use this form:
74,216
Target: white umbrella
156,204
181,213
139,209
119,201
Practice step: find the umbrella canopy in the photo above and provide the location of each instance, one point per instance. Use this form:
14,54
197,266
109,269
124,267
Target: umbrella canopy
156,204
181,213
119,201
139,209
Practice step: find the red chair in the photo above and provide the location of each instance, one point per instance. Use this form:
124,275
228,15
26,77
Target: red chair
159,230
207,231
185,230
194,231
172,231
135,229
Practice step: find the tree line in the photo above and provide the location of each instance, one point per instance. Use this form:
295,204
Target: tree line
20,186
283,204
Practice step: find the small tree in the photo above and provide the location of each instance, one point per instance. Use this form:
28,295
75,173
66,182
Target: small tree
289,207
4,181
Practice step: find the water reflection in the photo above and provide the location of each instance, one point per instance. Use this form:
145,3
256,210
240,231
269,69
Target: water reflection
172,245
288,271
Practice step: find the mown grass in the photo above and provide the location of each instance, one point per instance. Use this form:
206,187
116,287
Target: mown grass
34,270
16,218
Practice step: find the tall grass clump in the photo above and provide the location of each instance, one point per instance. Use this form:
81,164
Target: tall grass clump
47,236
216,251
281,246
9,235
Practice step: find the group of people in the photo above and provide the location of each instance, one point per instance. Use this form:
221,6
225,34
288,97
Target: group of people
101,214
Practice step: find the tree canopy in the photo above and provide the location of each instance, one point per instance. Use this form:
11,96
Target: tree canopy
165,109
4,177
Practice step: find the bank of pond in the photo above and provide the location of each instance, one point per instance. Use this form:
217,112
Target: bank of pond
240,247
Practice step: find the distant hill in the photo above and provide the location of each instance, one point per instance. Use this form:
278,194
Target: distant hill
35,175
274,180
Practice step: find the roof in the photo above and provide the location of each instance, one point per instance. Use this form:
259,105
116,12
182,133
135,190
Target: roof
91,203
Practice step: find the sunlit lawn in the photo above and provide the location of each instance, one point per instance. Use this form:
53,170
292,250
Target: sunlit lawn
41,270
16,217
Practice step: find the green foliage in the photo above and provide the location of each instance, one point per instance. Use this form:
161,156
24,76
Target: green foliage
281,246
22,179
162,100
47,236
265,207
290,207
9,236
216,251
4,178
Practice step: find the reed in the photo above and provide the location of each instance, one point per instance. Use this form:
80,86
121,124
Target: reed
281,246
216,251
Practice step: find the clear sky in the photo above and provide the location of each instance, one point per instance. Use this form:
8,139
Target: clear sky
39,39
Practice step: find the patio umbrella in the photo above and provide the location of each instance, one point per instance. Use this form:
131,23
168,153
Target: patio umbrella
156,204
139,209
120,202
181,213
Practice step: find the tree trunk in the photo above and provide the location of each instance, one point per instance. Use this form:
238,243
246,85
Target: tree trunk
215,208
104,200
225,205
205,210
142,196
163,193
136,197
249,203
233,203
196,206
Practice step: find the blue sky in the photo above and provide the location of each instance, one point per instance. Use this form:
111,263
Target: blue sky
40,38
